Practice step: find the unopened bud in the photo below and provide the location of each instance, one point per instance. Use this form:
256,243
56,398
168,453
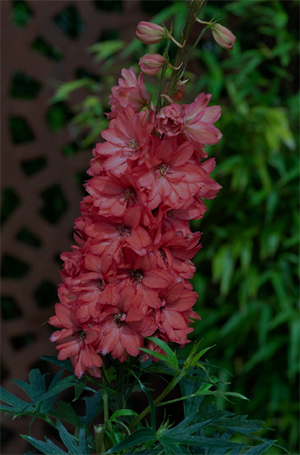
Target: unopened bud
151,64
224,37
150,33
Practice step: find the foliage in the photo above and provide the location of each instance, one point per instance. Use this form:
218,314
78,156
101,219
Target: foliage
204,429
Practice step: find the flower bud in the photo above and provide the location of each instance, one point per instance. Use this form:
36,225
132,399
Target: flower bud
149,33
224,37
151,64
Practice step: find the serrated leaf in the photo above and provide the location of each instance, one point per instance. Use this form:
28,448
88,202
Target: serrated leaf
140,436
48,448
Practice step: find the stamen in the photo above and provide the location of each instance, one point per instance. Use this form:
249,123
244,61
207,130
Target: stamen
123,230
119,318
162,170
136,276
81,334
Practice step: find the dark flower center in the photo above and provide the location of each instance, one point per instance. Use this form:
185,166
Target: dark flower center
123,230
81,334
136,276
119,318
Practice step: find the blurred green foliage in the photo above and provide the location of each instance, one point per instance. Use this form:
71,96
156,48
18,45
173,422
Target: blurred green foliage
247,272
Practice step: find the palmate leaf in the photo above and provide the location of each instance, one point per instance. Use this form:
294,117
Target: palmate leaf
48,448
74,447
15,404
201,441
94,405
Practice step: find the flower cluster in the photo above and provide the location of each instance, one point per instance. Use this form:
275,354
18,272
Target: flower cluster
127,277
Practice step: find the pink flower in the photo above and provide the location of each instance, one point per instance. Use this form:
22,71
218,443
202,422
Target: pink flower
224,37
150,33
199,119
175,312
126,139
170,120
171,179
127,276
130,91
151,64
76,341
124,326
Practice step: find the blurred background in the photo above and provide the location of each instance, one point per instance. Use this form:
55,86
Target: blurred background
59,62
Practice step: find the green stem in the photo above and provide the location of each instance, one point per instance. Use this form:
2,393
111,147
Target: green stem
120,386
167,390
194,9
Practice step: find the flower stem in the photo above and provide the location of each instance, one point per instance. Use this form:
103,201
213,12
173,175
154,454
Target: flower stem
120,386
176,379
194,9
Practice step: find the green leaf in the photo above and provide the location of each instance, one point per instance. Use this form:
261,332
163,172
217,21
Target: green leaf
259,449
171,356
48,448
16,403
140,436
106,49
64,411
64,364
63,92
59,387
123,412
94,405
68,440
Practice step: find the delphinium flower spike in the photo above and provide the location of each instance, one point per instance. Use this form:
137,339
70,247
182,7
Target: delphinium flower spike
127,277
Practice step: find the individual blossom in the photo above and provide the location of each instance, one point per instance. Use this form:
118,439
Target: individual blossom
124,326
126,140
224,37
151,64
76,341
130,91
199,119
174,315
170,120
